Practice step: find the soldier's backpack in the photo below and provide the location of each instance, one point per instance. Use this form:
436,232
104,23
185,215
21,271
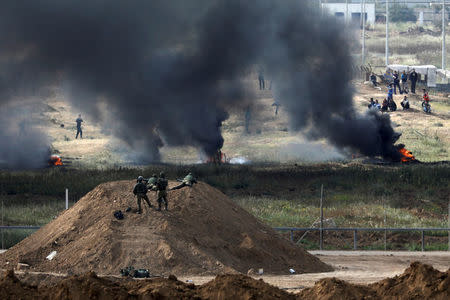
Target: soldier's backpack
162,184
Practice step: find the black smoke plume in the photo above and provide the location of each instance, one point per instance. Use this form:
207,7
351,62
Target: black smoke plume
167,72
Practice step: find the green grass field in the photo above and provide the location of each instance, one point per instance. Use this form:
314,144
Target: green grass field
279,195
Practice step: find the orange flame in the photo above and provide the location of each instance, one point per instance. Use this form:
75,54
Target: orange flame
407,155
55,160
218,158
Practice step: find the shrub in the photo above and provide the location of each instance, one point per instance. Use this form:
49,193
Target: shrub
402,13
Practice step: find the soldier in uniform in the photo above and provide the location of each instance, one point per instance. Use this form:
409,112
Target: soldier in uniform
188,180
161,187
152,181
140,190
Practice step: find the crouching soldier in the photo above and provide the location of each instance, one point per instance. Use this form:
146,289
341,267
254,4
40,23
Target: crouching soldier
152,181
189,180
140,190
161,187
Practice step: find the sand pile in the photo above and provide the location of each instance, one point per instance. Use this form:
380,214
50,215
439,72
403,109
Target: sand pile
204,232
419,281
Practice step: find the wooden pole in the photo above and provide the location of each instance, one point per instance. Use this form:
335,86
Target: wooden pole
67,198
321,217
384,225
2,225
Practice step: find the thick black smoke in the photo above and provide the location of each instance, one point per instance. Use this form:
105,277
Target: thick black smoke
160,71
18,132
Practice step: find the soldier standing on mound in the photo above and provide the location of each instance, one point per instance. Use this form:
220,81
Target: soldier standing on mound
161,187
140,190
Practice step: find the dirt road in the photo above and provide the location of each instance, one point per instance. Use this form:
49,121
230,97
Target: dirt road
354,266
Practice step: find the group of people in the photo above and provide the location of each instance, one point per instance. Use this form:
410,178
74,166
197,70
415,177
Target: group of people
389,103
399,81
158,184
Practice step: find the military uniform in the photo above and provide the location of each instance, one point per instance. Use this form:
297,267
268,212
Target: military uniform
151,182
188,180
140,190
161,187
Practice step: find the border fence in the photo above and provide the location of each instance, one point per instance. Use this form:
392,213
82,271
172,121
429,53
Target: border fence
291,231
355,233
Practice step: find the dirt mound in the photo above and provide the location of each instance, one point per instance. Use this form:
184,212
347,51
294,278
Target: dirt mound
89,286
419,281
241,287
204,232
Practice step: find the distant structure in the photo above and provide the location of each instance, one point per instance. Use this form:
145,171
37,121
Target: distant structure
339,10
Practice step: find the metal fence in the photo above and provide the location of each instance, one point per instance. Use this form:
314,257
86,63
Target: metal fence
355,233
307,229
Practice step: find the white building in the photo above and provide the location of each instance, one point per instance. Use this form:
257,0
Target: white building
352,13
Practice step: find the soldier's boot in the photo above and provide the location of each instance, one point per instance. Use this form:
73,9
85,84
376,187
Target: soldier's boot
159,206
165,205
148,202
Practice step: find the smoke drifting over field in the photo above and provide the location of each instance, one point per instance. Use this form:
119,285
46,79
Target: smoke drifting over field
167,72
17,134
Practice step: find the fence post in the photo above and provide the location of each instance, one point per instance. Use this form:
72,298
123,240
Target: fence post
321,217
423,240
292,236
355,240
384,225
67,198
2,225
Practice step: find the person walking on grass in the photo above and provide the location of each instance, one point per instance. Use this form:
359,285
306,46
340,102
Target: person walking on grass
79,120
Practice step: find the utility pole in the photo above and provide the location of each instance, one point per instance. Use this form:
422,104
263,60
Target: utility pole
346,12
387,32
443,35
321,217
363,37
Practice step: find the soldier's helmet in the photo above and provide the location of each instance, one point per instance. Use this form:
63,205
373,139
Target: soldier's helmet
140,178
162,175
190,174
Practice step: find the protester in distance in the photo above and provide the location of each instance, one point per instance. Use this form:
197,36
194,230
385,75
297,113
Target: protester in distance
373,79
426,102
392,105
261,80
405,103
413,79
397,83
384,105
79,120
404,78
390,94
377,105
371,103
